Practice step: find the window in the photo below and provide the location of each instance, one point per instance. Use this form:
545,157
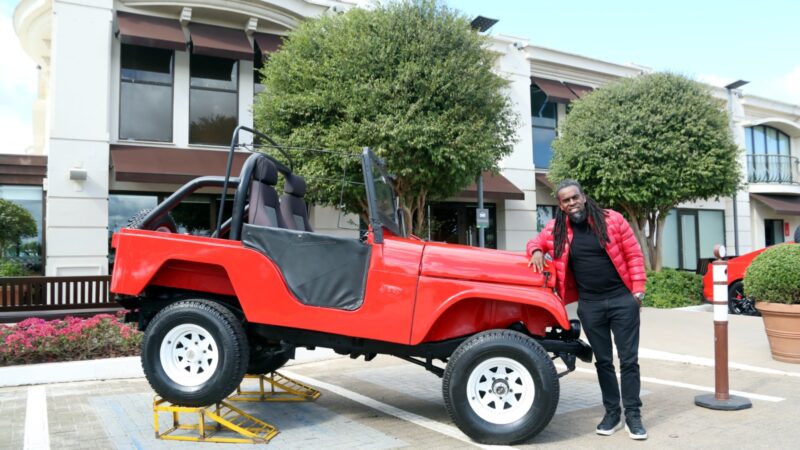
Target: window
213,103
544,213
689,235
455,223
258,79
544,120
145,97
29,252
768,155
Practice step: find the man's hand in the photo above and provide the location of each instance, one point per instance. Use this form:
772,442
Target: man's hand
639,296
537,261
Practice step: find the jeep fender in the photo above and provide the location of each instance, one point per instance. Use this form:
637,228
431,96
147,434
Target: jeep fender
447,308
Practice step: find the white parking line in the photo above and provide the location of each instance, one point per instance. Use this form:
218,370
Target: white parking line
37,435
699,361
416,419
694,387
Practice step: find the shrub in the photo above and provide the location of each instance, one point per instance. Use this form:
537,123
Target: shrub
774,276
670,288
38,341
11,268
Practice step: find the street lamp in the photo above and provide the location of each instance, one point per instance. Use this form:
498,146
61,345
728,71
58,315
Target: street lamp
482,24
730,87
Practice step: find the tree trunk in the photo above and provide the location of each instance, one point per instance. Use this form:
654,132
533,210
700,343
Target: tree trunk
637,224
419,212
662,217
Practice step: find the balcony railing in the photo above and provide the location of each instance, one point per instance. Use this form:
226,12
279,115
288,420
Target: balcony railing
773,169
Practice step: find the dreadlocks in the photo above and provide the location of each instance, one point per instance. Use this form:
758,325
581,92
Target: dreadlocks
595,214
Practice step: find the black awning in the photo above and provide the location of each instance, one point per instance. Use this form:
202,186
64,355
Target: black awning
220,42
782,204
556,91
150,31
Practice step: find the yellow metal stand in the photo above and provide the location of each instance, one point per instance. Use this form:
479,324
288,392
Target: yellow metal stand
281,389
225,417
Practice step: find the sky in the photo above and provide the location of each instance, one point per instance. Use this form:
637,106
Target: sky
715,41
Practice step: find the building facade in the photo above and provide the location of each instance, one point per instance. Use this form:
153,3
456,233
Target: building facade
137,97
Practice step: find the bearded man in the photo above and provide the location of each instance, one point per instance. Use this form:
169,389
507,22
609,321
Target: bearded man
599,263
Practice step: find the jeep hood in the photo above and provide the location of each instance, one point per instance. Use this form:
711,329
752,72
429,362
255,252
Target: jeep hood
479,264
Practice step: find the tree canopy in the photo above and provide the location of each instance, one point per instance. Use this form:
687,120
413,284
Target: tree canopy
409,79
644,145
17,223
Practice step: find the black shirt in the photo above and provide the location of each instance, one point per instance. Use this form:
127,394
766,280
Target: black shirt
594,273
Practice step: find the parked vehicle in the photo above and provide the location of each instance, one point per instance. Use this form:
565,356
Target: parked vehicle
738,303
241,301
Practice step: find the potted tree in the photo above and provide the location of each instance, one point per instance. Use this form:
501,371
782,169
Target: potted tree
773,280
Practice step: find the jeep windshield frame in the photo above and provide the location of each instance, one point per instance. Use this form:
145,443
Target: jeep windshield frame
384,210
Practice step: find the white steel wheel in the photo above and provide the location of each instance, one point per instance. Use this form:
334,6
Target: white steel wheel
500,390
189,354
500,387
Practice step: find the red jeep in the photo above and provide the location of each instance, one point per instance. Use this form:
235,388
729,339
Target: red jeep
241,301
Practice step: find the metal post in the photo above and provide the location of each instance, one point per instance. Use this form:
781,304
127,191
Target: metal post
481,230
721,400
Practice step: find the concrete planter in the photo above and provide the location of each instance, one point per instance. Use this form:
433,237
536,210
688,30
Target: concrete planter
782,323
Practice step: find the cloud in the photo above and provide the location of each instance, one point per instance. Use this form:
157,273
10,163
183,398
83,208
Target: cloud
18,84
790,83
18,133
714,80
783,88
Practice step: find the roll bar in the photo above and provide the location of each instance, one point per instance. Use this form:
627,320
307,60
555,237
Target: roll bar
245,184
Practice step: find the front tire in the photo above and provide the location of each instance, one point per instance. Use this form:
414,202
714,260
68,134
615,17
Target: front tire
194,353
500,387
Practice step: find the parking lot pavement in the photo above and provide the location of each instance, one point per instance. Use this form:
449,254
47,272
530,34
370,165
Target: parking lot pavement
388,403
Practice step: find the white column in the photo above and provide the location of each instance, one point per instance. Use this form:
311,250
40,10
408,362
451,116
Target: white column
77,210
516,221
743,219
180,99
246,99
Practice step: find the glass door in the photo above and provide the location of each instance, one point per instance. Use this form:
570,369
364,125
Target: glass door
688,239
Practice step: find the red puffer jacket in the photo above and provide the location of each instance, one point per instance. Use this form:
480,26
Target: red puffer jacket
622,248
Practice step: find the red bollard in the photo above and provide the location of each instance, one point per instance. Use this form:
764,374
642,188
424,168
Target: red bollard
721,400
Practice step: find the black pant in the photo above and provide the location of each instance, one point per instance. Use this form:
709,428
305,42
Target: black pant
618,315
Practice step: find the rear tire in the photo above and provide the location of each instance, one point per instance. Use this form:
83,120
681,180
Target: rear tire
165,223
500,387
194,353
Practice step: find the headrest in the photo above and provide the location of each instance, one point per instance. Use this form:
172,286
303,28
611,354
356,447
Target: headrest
265,172
295,185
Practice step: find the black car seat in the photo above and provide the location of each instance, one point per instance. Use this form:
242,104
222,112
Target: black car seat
293,207
264,204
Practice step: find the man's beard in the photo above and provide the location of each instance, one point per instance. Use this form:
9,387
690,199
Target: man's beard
578,217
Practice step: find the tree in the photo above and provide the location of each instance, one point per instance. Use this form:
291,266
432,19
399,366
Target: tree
411,80
16,223
644,145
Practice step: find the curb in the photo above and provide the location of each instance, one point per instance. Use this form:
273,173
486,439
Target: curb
108,369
